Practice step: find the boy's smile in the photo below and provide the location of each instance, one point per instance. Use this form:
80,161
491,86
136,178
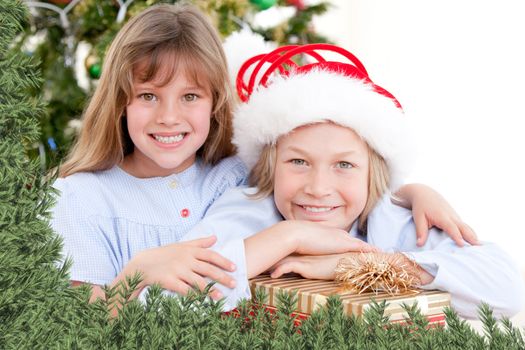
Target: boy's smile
321,175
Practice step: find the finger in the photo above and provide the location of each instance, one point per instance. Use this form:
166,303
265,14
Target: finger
216,294
214,273
282,269
361,246
468,234
177,286
453,231
195,281
205,242
422,226
216,259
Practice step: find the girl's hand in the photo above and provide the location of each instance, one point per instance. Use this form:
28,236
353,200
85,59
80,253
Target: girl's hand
319,267
180,266
429,209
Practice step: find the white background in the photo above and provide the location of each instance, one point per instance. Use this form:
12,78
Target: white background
458,69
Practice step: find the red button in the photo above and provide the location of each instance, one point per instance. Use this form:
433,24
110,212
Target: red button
185,213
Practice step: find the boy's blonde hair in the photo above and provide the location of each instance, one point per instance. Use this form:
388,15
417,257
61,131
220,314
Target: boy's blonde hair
166,39
262,176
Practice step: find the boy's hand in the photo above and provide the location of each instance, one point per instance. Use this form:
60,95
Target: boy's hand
180,266
430,209
312,238
309,266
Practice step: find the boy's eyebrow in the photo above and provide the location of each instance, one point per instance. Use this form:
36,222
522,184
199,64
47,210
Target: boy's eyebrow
340,154
296,149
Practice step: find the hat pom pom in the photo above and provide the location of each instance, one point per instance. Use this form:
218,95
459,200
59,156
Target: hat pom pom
241,46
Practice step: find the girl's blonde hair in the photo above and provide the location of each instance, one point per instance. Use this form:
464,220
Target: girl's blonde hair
263,173
166,39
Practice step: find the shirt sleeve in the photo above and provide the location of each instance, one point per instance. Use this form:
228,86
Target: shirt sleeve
93,258
228,173
232,218
472,274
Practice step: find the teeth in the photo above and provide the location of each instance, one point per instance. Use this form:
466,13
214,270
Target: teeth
169,139
317,209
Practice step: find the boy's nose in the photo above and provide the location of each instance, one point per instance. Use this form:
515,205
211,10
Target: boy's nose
318,184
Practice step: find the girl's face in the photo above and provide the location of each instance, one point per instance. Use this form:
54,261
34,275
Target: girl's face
321,175
167,125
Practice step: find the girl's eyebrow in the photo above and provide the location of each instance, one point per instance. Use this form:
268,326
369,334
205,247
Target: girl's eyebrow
144,85
194,87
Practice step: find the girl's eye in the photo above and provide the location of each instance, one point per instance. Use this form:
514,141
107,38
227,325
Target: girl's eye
190,97
345,165
148,97
298,162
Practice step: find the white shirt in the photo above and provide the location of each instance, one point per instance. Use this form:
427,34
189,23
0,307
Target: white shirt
471,274
106,217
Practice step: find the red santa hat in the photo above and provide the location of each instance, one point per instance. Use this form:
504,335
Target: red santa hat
280,95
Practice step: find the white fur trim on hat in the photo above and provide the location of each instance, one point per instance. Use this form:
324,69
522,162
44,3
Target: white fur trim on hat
240,46
317,96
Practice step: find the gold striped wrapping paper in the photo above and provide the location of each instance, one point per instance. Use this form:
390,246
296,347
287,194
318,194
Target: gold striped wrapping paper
313,294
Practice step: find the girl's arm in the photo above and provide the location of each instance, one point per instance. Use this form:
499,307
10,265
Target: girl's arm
92,241
176,267
430,209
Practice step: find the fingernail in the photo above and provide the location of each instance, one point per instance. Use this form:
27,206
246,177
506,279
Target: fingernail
218,295
232,267
232,284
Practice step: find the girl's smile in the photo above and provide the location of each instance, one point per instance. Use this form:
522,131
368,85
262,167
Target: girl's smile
169,139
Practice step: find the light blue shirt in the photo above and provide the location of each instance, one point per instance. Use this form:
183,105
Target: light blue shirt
471,274
107,217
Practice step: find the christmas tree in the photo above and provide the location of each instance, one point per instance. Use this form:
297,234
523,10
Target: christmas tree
69,38
32,289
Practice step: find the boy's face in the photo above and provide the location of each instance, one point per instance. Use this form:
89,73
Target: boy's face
321,175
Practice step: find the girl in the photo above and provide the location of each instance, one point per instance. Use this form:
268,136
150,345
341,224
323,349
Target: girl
324,144
154,153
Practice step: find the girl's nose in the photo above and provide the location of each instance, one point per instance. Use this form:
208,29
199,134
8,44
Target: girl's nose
169,113
318,184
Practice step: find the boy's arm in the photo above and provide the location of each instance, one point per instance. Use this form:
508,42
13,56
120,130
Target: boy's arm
430,209
233,217
251,233
471,274
269,246
322,267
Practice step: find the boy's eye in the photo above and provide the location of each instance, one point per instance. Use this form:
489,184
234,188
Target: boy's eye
190,97
298,161
148,97
345,165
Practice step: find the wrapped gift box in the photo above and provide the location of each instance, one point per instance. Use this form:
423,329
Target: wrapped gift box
313,294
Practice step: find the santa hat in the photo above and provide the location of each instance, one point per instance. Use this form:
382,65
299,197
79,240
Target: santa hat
280,95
